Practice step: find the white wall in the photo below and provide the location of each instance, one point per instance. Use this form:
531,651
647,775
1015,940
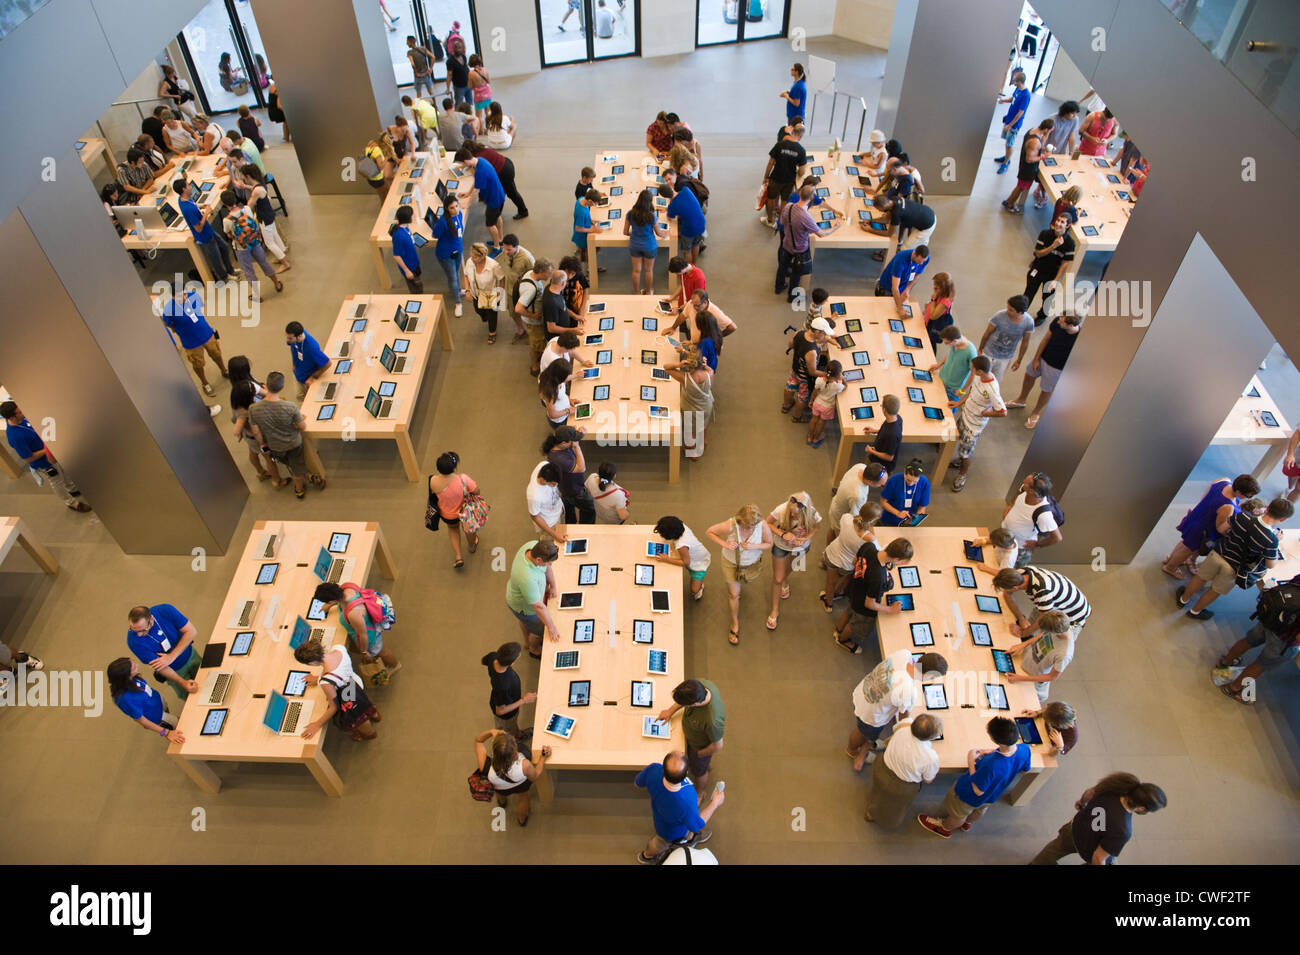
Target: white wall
507,30
667,27
865,21
1066,81
814,17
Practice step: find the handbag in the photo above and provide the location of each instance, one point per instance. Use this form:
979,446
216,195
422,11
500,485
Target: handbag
367,166
480,789
431,515
473,509
374,673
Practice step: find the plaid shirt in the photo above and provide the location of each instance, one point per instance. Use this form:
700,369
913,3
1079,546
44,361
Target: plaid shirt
243,228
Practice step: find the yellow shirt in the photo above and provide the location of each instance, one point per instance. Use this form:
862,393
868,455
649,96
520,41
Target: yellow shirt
425,113
377,154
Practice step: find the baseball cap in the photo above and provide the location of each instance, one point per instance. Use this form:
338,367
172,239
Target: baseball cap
820,325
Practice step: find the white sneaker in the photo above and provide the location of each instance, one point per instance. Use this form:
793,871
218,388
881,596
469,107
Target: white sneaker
459,309
871,757
215,409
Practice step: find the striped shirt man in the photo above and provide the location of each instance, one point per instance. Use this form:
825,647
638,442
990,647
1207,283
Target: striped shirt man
1246,545
1052,591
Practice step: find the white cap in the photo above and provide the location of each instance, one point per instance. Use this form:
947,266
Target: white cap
820,325
876,136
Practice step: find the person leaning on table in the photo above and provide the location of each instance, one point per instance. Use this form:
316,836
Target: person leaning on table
139,701
909,761
532,583
356,622
162,637
508,770
344,692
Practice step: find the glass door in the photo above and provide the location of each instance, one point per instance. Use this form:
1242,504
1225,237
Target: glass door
447,19
763,19
577,31
731,21
256,68
216,60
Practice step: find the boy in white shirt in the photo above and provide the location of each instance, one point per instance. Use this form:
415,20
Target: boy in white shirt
823,405
1005,550
982,401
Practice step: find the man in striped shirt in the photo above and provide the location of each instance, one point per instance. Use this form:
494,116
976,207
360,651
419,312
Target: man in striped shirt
1241,555
1049,591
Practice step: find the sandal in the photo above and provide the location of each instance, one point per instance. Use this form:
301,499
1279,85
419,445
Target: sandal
1179,574
827,603
264,475
279,286
801,420
473,546
699,594
771,623
458,564
816,444
1225,662
492,338
317,481
519,336
1229,692
300,494
846,647
733,637
1015,404
785,591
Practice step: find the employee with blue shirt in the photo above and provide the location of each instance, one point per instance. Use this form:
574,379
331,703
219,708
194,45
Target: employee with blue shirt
685,208
903,269
488,186
162,637
183,314
448,231
797,97
139,701
678,817
989,774
309,359
905,497
210,244
1015,116
405,251
33,451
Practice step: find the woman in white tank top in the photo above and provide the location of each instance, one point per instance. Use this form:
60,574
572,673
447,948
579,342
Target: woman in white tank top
743,540
509,772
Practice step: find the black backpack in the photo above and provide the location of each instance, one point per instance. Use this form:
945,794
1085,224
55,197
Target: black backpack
435,47
1278,608
1049,504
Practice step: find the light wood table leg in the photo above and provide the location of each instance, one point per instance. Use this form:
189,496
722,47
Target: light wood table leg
44,559
843,456
1028,786
314,465
444,332
407,450
675,456
1272,457
383,556
200,773
941,466
376,253
545,786
9,466
200,262
323,771
593,267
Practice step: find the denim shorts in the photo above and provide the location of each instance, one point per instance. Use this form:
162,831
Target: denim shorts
531,621
687,242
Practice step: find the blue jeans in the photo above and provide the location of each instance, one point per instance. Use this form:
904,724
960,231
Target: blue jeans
463,95
255,252
452,268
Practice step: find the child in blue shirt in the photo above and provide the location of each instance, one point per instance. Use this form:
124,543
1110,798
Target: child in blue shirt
405,251
989,774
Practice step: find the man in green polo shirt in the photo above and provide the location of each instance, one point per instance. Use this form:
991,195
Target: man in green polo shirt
703,721
532,583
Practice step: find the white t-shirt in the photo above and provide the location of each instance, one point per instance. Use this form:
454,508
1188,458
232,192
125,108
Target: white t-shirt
514,775
844,548
604,23
550,355
826,391
498,138
1005,557
1020,520
1050,653
911,760
698,556
983,396
850,495
544,500
813,519
886,690
750,554
607,501
561,402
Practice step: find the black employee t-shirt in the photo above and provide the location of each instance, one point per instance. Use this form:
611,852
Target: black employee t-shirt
789,156
1049,264
506,687
913,215
1103,821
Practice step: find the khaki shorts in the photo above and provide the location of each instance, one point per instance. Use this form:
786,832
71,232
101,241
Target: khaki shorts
536,341
954,808
195,355
1218,573
733,574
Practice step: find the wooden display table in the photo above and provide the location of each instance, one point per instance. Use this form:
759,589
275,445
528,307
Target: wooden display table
179,236
623,416
419,189
1101,211
848,197
13,530
636,175
937,551
607,733
350,420
888,377
1245,424
267,665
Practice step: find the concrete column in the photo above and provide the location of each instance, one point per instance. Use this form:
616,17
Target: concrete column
83,347
335,78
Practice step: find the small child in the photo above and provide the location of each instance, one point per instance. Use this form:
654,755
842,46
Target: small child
584,182
823,406
582,224
1005,550
889,436
251,127
816,304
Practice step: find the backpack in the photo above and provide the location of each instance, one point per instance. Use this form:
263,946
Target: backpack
379,607
435,47
1278,608
700,189
1050,504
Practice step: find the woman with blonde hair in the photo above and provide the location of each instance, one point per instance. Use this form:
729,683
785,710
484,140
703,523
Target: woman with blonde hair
695,376
743,539
510,772
792,524
682,160
484,280
839,555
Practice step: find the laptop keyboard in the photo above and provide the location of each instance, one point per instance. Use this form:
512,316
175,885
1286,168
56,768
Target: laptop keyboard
385,408
219,688
336,572
317,633
246,617
291,716
270,549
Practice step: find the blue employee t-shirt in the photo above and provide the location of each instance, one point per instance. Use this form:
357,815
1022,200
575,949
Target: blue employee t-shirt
404,248
307,357
488,184
709,352
141,701
448,237
902,267
162,637
799,91
904,498
193,214
1019,104
581,220
993,774
686,209
25,441
675,813
187,321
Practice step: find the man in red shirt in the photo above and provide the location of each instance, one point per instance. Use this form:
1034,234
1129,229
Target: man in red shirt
690,279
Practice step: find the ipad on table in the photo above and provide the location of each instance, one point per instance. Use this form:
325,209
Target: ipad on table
921,374
579,692
911,341
643,693
906,360
916,396
643,631
853,325
853,374
1028,731
935,697
561,726
644,575
650,324
861,358
996,694
839,308
655,548
862,413
660,602
904,600
1002,662
649,393
868,394
909,576
606,324
658,374
582,412
572,601
587,574
657,662
1268,419
987,604
965,577
972,552
594,340
567,660
600,393
980,635
584,631
649,356
922,635
896,326
652,728
934,414
604,357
